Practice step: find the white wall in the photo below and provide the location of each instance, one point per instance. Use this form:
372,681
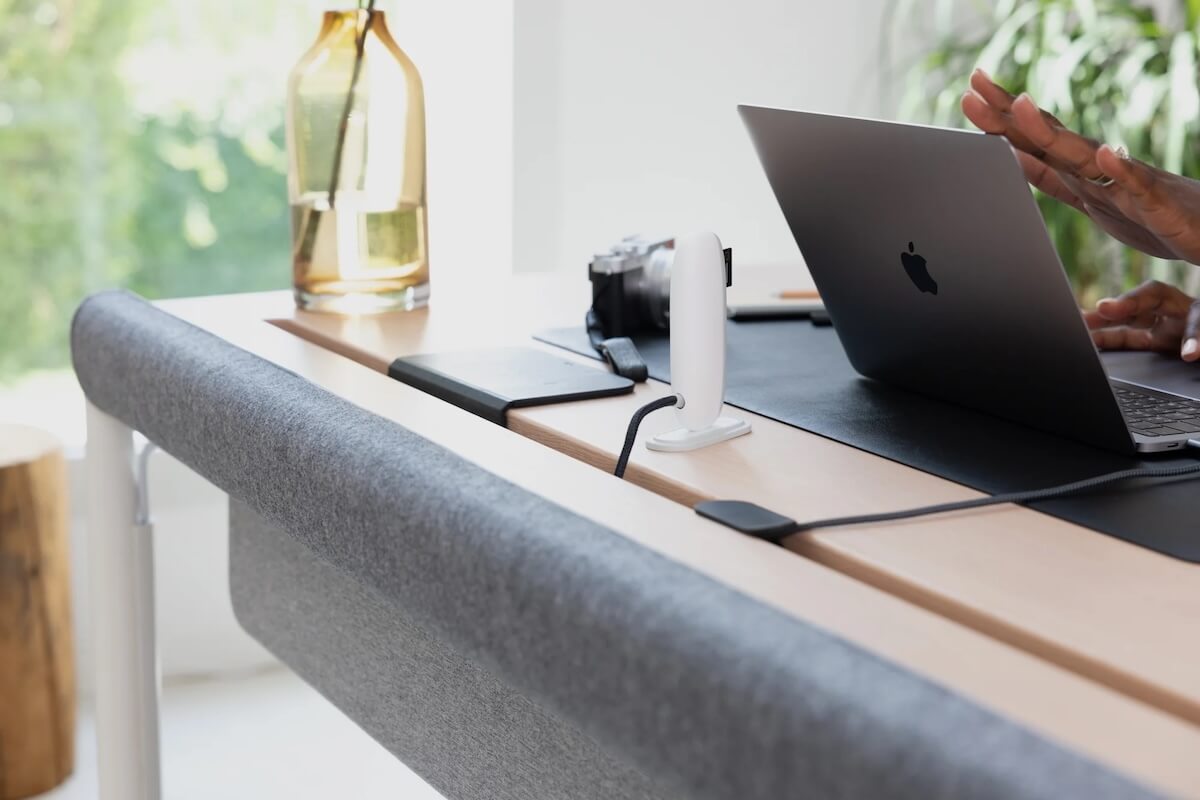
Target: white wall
625,115
464,51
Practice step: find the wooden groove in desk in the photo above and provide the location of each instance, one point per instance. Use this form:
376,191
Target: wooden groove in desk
1128,684
819,548
519,421
602,459
1104,609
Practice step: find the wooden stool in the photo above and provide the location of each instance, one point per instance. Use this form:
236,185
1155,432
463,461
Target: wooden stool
37,663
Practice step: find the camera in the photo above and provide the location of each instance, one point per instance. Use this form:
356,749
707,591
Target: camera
631,286
631,294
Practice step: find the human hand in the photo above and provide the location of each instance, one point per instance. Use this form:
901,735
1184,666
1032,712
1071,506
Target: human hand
1150,209
1154,316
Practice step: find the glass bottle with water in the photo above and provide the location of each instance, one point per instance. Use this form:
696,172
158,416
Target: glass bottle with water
356,170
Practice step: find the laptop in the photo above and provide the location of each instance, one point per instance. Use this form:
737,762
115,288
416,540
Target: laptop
938,273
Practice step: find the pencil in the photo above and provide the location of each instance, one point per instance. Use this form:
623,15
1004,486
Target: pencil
796,294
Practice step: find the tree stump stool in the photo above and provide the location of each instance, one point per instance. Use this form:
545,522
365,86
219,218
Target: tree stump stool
37,666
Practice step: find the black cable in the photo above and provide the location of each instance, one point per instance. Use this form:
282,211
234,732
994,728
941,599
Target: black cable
1049,493
635,423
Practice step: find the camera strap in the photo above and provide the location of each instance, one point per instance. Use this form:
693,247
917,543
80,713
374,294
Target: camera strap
619,351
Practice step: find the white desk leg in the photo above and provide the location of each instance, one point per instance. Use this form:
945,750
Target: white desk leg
121,562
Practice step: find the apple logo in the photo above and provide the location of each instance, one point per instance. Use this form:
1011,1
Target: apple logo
914,265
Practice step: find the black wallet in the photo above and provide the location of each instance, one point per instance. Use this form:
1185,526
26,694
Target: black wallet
489,382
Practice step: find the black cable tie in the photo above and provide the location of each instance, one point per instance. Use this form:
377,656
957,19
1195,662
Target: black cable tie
748,518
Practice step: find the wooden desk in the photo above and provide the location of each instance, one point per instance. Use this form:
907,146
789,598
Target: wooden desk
1084,638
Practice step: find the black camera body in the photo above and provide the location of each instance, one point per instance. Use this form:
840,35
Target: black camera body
631,294
631,286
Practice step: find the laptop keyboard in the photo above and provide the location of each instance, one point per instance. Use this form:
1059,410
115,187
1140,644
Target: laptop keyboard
1156,414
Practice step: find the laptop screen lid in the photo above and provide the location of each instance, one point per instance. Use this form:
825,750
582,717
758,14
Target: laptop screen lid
932,259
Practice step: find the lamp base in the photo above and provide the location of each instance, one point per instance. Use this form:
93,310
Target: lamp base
681,439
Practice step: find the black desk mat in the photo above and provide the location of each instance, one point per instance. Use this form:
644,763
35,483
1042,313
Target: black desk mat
798,374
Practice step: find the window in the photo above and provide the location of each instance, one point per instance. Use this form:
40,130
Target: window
141,145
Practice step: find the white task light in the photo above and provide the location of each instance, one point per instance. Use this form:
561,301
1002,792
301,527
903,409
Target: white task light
698,280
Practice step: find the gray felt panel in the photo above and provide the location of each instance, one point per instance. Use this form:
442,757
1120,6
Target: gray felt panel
466,733
711,693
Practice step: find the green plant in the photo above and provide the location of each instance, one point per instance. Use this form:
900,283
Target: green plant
1116,70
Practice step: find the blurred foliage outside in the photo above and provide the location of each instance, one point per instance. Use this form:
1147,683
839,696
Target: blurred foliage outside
1119,71
141,145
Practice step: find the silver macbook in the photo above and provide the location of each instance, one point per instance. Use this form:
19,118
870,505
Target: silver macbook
934,264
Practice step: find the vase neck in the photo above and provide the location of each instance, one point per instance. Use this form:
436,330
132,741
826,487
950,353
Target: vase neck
350,22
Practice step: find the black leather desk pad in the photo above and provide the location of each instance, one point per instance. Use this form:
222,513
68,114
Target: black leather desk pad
798,374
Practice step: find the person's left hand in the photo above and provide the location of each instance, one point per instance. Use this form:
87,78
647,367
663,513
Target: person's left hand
1154,316
1145,207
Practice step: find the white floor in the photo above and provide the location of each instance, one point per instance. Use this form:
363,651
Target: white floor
263,736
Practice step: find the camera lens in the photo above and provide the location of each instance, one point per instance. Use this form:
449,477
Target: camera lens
655,289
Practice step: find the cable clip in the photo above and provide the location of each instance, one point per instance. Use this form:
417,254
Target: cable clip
748,518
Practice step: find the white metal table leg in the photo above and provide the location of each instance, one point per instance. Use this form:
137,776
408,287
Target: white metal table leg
121,563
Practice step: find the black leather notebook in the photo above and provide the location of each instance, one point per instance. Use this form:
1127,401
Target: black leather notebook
489,382
798,374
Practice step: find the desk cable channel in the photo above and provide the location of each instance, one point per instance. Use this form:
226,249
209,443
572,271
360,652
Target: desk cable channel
762,523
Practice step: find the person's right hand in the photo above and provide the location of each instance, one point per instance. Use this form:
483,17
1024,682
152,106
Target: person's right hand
1154,316
1150,209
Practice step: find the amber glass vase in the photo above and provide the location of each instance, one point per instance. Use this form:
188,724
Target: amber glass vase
356,170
